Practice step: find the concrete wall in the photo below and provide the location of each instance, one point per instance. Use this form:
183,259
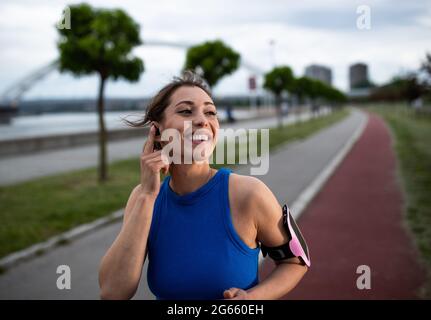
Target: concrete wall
36,144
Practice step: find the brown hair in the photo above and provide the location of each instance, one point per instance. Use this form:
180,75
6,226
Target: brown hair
158,104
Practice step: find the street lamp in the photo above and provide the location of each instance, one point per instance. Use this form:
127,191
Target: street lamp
272,51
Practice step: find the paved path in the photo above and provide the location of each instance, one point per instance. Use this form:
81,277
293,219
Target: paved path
357,219
292,168
26,167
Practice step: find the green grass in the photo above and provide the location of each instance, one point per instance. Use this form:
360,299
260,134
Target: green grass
301,130
412,135
33,211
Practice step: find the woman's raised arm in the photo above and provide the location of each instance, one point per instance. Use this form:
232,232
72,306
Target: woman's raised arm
121,267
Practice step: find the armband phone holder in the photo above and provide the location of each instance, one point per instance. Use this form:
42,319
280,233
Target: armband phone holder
295,247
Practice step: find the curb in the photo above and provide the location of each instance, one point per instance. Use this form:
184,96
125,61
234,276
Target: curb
305,197
39,248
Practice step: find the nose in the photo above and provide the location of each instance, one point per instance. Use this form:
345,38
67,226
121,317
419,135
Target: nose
200,120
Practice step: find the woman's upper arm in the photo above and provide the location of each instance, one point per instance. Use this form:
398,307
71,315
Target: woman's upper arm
268,216
269,220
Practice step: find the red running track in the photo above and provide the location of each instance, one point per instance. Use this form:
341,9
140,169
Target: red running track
357,219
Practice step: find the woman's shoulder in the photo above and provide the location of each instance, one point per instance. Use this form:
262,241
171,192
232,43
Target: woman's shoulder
252,194
247,189
244,181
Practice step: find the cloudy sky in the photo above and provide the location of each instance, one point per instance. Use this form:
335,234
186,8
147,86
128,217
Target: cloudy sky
303,32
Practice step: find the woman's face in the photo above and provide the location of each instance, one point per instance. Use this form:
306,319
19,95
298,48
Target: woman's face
193,114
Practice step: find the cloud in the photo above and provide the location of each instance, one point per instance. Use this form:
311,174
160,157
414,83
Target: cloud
305,32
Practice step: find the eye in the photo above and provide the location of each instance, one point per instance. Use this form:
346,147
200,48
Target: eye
185,111
213,113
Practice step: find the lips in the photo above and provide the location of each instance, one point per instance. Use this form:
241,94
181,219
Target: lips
199,136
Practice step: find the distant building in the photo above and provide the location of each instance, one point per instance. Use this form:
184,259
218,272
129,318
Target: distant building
319,72
358,76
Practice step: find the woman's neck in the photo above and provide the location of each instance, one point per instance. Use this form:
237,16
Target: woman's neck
186,178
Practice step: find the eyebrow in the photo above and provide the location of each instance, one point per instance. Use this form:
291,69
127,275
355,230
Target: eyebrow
191,103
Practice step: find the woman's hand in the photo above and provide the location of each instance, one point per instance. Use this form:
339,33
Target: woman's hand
236,294
152,162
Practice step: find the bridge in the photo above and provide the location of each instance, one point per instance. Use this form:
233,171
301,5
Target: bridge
9,99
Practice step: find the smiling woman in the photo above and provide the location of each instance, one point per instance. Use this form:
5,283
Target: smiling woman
201,228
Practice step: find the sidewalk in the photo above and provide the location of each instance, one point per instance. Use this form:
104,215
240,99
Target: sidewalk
357,219
292,168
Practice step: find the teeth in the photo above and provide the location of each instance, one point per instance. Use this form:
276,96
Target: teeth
200,137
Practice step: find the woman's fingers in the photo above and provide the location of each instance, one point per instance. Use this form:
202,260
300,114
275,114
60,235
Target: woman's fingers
152,155
151,164
156,161
230,293
157,164
235,294
149,144
158,158
165,169
156,155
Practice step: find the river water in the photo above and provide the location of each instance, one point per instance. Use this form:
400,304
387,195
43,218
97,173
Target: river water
74,122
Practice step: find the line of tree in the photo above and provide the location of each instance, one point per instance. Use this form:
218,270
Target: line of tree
406,87
281,80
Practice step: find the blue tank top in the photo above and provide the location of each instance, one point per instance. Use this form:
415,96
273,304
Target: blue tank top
194,251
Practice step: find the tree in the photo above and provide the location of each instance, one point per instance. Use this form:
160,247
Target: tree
364,84
100,42
213,59
279,80
330,94
403,87
426,65
426,68
317,91
300,88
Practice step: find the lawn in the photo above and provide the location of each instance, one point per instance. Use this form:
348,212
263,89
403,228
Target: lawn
412,135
